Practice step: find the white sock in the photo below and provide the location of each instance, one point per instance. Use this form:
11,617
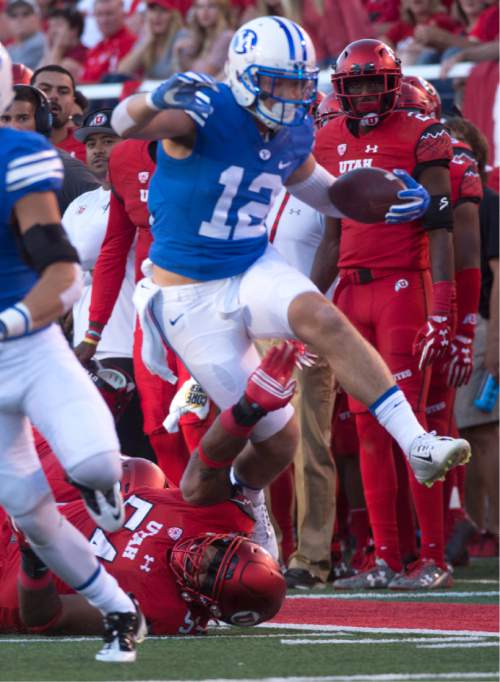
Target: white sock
103,592
394,413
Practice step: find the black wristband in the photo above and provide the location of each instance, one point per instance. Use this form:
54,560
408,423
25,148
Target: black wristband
439,215
247,414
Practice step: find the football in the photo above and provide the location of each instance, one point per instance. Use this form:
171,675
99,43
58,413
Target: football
365,194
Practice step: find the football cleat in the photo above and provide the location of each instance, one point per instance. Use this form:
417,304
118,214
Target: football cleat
122,633
106,508
302,579
375,575
431,456
424,574
263,533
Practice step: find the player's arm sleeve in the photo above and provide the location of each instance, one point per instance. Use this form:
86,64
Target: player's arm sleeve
110,267
433,148
471,188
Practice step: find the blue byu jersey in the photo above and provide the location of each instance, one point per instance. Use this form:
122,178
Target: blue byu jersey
28,163
208,209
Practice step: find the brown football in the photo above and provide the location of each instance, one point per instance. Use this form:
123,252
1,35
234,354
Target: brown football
365,194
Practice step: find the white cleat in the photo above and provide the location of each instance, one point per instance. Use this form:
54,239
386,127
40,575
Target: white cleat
122,633
431,456
106,508
263,532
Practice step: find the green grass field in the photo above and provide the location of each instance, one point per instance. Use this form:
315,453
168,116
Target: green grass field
448,635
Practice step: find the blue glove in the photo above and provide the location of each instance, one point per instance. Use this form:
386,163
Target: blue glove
184,91
418,201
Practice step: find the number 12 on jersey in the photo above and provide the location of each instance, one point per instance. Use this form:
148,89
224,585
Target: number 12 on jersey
226,222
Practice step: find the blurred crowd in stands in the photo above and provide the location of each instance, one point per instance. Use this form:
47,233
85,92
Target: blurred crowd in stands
100,40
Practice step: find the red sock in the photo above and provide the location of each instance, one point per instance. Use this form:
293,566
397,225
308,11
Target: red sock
360,527
404,508
430,517
282,497
378,473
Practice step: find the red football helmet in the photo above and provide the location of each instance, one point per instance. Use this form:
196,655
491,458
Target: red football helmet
115,385
411,97
367,59
433,98
138,472
327,109
21,74
238,581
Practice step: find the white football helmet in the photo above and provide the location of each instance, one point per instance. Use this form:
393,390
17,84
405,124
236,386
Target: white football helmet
6,91
264,53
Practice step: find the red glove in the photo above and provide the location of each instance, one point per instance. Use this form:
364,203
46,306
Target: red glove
459,368
271,386
433,339
304,357
460,365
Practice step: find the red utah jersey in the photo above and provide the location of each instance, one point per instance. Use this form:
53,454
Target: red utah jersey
465,179
406,140
130,170
137,557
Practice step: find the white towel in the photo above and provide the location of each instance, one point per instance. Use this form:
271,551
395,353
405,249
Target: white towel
189,398
154,345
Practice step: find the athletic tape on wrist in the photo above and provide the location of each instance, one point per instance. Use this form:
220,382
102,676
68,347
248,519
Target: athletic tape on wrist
17,320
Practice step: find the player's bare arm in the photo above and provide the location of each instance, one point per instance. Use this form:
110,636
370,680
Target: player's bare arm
51,254
324,268
270,387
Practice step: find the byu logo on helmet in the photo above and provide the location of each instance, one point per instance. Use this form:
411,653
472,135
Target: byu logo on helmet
244,41
271,70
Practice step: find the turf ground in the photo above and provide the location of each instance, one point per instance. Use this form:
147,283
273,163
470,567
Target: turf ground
449,635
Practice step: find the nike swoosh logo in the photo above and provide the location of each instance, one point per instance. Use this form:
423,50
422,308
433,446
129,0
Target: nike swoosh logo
175,320
425,458
284,164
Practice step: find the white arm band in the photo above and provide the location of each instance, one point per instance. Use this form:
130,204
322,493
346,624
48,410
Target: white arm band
121,120
314,191
15,321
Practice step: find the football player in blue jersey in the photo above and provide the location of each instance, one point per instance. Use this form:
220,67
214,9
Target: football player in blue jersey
42,383
214,282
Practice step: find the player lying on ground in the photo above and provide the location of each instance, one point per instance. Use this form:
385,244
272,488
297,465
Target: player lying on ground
215,284
183,560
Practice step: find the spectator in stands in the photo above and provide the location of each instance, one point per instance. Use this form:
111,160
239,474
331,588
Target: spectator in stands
479,24
116,43
205,46
153,55
411,36
30,110
64,46
332,25
59,86
29,41
279,8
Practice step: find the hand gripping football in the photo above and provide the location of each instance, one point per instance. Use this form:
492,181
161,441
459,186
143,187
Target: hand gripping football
365,194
